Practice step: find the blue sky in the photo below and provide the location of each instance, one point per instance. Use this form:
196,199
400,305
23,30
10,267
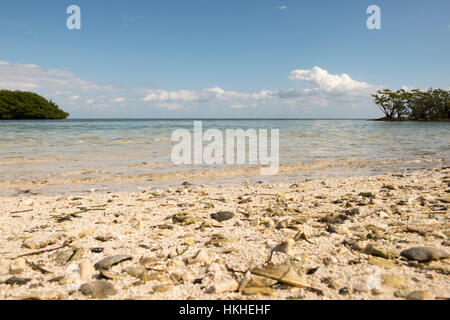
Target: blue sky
229,58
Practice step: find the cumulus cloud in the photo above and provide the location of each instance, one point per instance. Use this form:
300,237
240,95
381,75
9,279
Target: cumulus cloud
327,82
326,88
119,100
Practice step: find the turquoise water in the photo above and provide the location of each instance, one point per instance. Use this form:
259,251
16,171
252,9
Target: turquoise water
36,149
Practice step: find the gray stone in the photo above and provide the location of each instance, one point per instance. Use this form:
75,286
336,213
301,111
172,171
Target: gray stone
98,289
222,216
424,254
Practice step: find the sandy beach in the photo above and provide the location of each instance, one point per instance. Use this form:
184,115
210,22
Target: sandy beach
331,238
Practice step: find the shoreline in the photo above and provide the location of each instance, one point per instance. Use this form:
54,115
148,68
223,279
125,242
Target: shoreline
344,239
84,180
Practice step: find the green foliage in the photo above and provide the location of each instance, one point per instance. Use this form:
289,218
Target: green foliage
19,105
414,105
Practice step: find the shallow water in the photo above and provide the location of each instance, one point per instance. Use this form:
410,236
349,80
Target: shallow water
91,148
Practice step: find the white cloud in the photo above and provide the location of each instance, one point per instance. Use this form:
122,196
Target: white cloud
281,8
16,76
327,88
329,82
82,96
204,95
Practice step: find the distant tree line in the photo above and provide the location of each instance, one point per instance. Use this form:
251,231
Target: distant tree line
433,104
19,105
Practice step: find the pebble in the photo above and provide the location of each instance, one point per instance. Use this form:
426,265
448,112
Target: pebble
424,254
344,291
379,252
222,216
98,289
419,295
17,281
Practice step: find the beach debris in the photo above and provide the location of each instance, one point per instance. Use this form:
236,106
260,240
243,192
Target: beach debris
334,219
283,223
104,238
352,212
367,195
150,262
138,272
161,288
76,254
185,219
109,274
219,240
36,267
200,257
379,252
175,277
110,261
284,273
98,289
17,281
222,216
86,270
283,247
42,251
186,184
419,295
230,285
424,254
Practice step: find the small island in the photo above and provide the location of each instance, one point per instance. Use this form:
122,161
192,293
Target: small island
21,105
415,105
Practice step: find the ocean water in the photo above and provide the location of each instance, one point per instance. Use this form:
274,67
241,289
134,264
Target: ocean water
91,148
